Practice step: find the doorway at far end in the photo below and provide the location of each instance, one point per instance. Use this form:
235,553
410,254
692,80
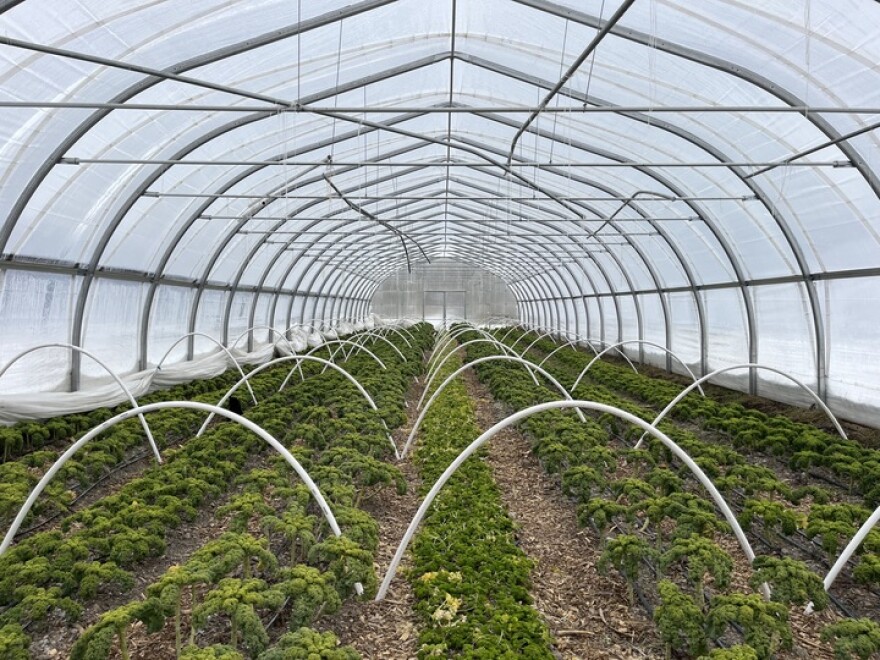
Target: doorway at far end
443,308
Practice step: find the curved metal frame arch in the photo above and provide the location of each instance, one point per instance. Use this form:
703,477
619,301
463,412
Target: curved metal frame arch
324,251
682,455
786,96
589,342
162,405
219,345
491,358
640,342
307,358
318,273
103,365
721,65
687,390
446,339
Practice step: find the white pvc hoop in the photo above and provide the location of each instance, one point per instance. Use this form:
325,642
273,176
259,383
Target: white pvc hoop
432,373
554,405
697,383
308,358
397,331
332,358
636,341
490,358
521,326
362,336
538,332
531,345
161,405
272,330
437,358
851,547
446,341
573,343
213,339
341,344
112,373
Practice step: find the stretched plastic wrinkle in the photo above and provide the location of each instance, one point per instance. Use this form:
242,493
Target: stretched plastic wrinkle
432,374
490,358
697,383
113,375
219,344
307,358
555,405
636,341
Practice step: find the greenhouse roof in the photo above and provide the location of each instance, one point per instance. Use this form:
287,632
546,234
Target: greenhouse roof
173,166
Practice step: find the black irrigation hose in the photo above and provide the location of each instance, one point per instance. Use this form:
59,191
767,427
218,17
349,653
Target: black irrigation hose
115,469
807,551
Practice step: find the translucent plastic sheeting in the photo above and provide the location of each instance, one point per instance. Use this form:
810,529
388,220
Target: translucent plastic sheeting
716,264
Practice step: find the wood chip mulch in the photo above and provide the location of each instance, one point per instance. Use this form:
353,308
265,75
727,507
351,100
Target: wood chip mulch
387,629
588,613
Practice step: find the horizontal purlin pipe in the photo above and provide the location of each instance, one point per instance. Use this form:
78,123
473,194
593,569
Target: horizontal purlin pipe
73,160
573,109
597,39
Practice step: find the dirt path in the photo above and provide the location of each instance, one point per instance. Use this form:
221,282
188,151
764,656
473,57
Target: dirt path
386,629
588,613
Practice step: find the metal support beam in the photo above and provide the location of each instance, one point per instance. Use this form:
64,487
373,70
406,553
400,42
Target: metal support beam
622,8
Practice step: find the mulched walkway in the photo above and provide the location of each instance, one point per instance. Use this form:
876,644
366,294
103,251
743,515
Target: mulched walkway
588,613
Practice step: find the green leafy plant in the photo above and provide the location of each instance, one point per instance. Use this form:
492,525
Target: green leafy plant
97,641
775,517
626,553
348,561
308,644
311,593
791,581
581,481
736,652
214,652
602,513
868,570
239,601
764,623
244,509
14,642
297,528
702,558
853,638
679,620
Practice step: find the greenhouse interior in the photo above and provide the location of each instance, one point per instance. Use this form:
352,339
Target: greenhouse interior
541,329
